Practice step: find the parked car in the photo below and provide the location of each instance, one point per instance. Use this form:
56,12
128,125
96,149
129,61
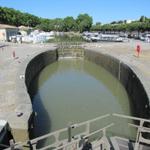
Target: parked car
16,39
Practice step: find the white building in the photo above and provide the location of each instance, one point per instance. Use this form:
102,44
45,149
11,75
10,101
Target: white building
128,21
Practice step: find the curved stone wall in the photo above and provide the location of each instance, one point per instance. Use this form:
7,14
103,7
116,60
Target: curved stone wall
38,63
132,84
33,68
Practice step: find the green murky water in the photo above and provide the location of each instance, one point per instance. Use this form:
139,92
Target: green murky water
76,90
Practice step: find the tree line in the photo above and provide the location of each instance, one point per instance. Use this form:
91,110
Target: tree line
14,17
141,25
83,22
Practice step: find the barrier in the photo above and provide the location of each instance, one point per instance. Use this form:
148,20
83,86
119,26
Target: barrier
77,142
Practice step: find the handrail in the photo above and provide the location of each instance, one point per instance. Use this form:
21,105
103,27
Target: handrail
32,143
140,129
102,129
47,135
75,141
66,129
129,117
59,144
93,120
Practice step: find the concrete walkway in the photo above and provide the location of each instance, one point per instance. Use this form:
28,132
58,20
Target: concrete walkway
14,99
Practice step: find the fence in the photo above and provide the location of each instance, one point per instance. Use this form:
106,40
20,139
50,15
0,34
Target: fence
77,141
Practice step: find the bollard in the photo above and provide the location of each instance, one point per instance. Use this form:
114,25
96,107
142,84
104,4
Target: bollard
14,54
138,49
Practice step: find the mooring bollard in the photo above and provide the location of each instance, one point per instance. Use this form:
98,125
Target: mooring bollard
14,54
138,49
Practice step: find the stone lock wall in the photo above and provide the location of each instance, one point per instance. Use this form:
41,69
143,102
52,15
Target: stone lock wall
134,87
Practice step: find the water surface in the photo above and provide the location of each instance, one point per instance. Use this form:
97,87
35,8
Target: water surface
76,90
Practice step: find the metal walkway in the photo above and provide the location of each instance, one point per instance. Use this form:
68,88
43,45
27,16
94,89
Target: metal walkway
88,139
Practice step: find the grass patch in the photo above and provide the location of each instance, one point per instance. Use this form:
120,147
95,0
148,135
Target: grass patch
67,38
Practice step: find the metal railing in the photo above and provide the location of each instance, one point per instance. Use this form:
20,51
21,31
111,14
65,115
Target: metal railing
70,140
101,142
69,130
140,129
76,142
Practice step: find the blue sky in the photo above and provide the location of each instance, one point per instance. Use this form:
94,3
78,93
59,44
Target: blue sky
103,11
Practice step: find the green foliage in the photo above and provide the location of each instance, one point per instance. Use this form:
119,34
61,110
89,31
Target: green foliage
96,28
142,25
113,22
67,38
70,24
84,22
51,25
142,19
57,24
44,25
17,18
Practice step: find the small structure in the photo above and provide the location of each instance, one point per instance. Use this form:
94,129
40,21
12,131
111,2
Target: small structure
24,30
6,31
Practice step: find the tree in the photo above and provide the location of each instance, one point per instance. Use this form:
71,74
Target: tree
120,22
113,22
45,25
96,27
17,18
58,24
98,23
84,22
70,24
142,19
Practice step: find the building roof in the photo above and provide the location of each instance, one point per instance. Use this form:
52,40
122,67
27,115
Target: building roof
5,26
24,28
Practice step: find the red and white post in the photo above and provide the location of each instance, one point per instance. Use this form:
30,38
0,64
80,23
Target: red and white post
138,50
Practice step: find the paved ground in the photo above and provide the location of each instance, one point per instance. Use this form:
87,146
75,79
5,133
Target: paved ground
13,96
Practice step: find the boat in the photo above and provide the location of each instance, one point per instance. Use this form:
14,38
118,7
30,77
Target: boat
107,38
